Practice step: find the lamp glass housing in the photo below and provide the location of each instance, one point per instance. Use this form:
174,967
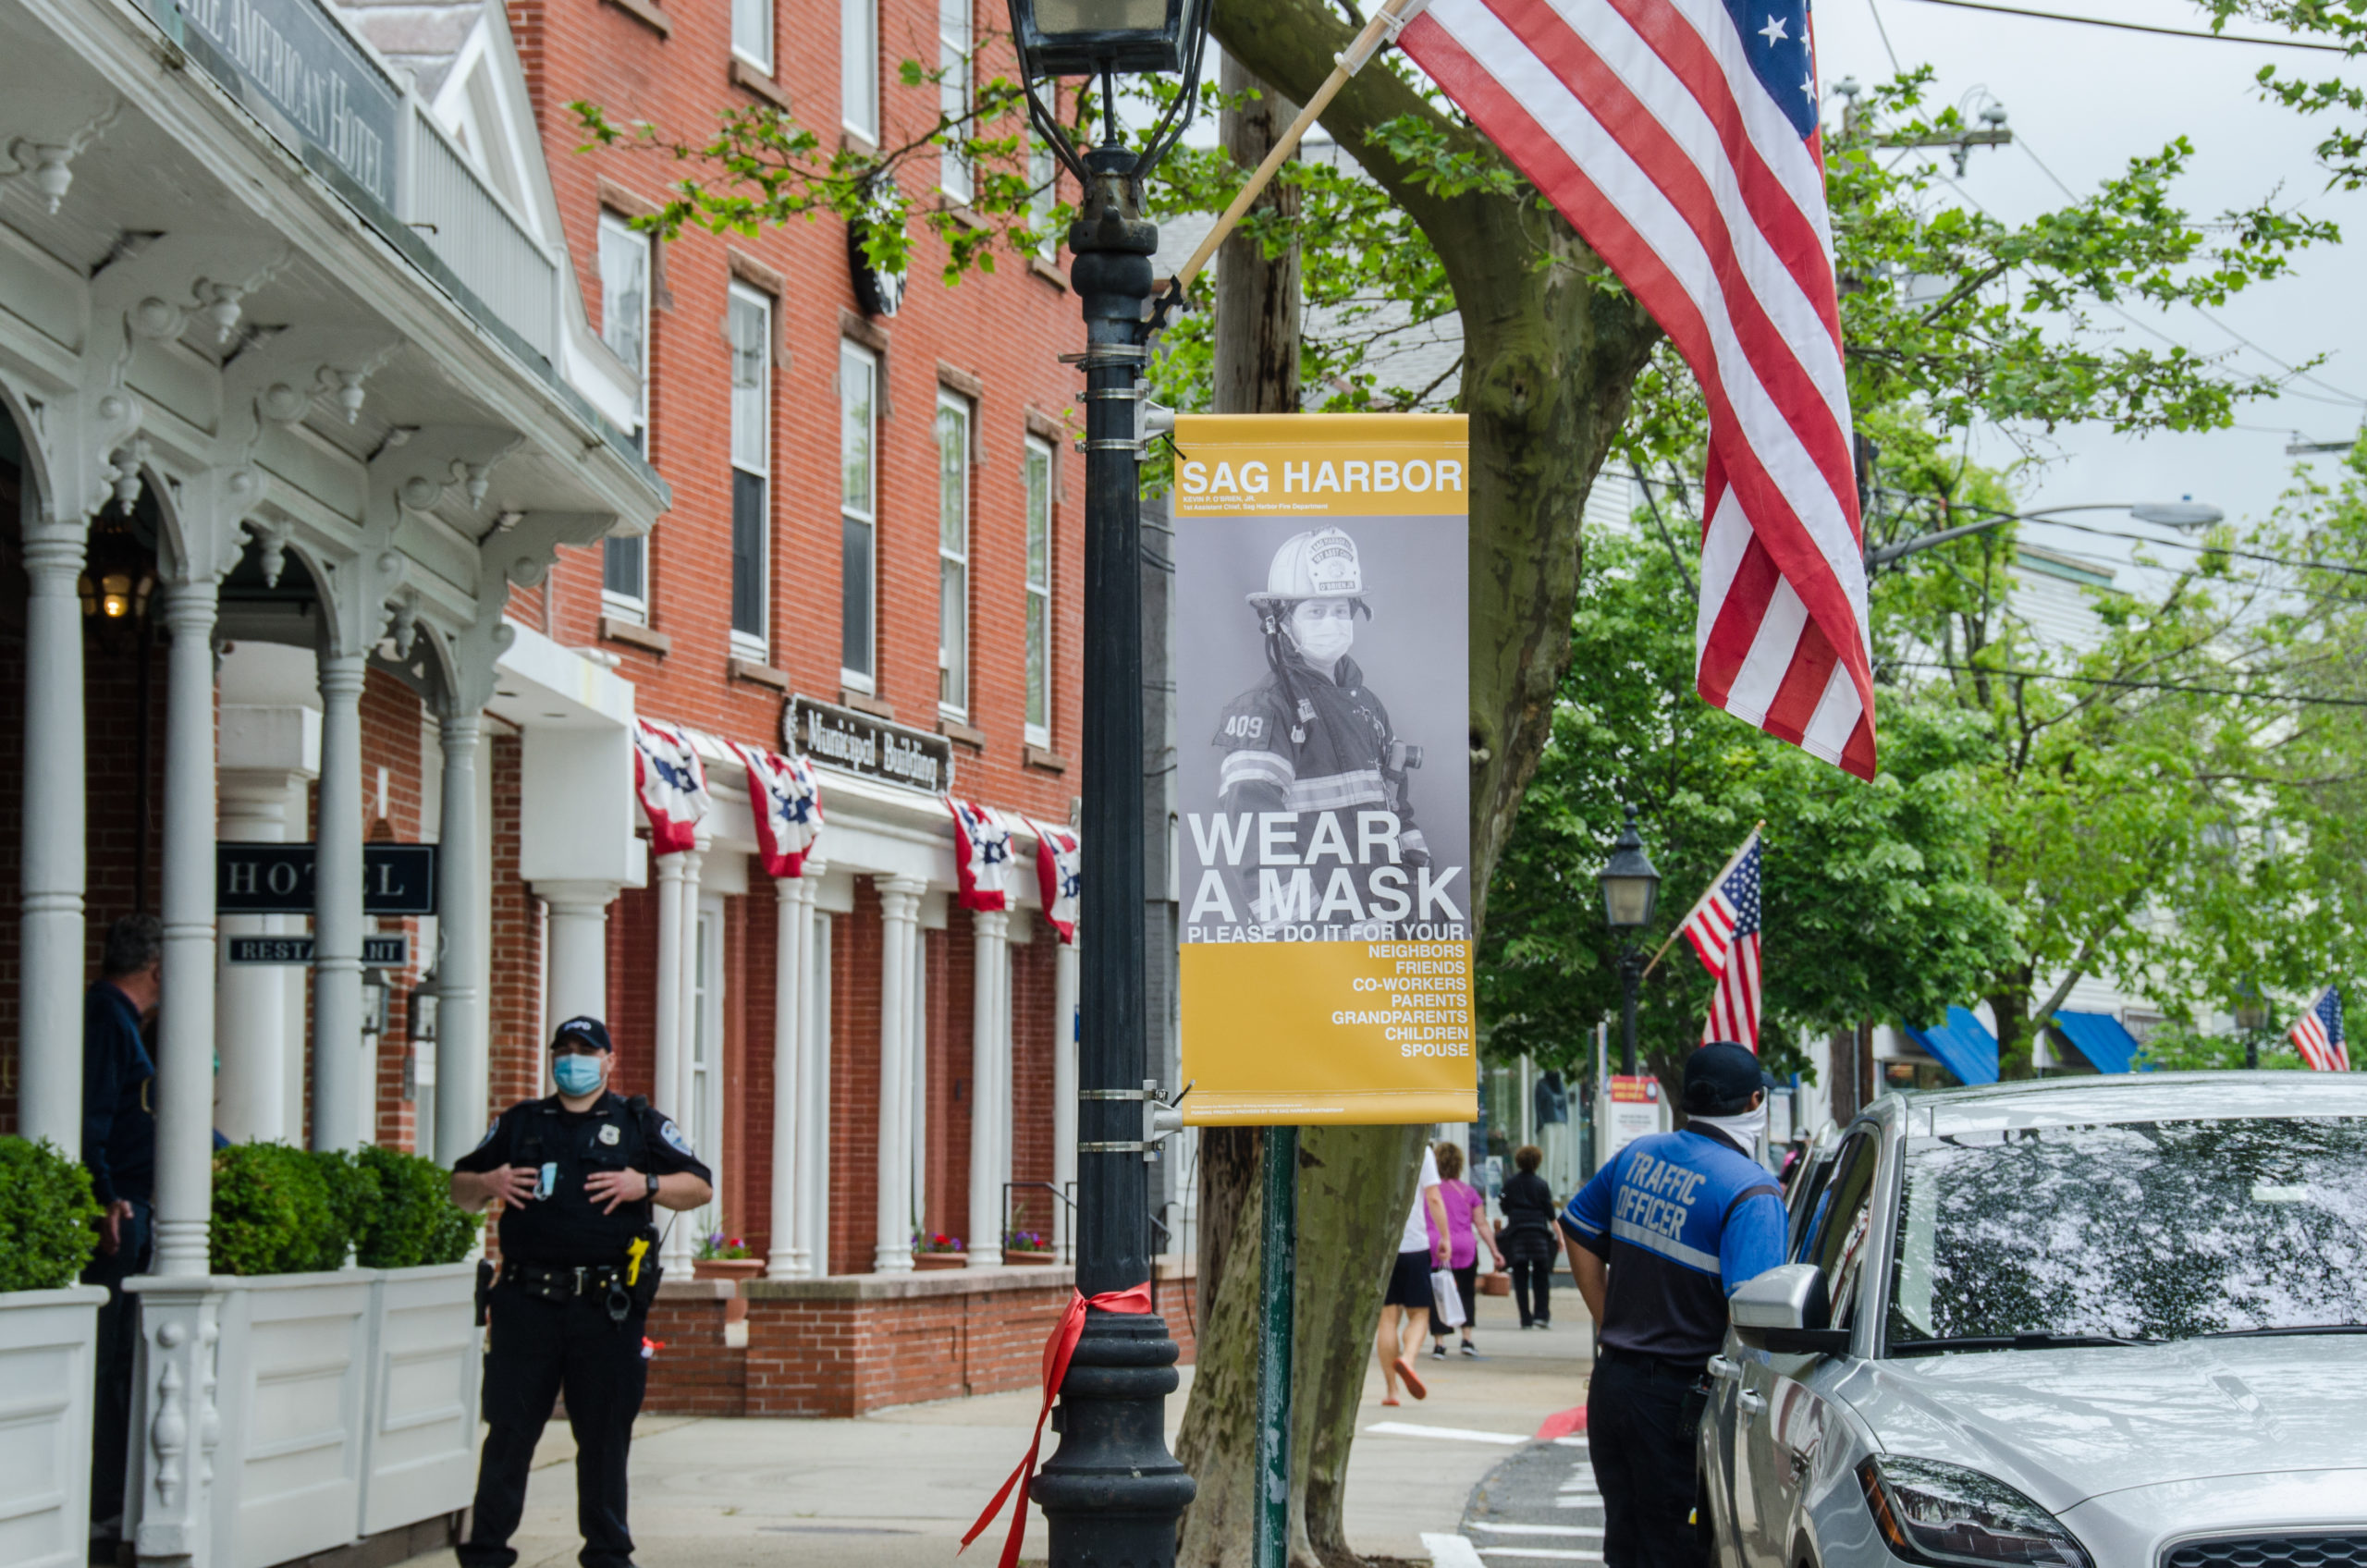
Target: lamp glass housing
1087,37
1628,899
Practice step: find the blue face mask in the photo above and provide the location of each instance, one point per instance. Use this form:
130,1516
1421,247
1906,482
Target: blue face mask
577,1074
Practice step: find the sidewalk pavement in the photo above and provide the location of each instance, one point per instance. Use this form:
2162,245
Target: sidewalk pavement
896,1488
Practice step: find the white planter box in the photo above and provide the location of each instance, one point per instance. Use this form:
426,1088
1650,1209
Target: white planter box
333,1406
426,1360
48,1342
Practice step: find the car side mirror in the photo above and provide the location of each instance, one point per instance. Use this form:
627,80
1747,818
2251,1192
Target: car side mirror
1786,1310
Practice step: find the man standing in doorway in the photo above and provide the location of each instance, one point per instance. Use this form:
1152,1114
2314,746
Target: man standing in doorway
119,1147
1658,1240
579,1177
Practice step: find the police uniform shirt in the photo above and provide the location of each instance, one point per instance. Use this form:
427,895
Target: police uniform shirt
1320,752
567,1229
1683,1220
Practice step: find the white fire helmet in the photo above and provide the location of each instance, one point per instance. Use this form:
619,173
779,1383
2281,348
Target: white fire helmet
1321,565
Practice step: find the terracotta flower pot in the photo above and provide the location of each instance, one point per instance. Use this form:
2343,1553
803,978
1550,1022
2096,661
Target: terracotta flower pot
727,1268
1018,1256
926,1261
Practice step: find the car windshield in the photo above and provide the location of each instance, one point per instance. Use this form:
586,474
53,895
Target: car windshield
2139,1231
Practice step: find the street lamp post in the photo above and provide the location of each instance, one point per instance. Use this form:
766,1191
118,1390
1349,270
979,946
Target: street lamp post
1631,888
1112,1493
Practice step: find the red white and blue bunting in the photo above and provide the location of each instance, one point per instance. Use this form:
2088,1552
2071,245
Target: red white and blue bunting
1058,875
982,854
672,781
786,801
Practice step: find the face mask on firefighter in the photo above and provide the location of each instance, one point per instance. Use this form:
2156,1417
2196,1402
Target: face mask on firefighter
1323,628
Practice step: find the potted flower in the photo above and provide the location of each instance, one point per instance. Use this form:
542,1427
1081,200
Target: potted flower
48,1333
939,1251
725,1257
1028,1246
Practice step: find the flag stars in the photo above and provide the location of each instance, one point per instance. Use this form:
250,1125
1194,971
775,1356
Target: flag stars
1773,31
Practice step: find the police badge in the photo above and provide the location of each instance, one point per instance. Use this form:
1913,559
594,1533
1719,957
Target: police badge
609,1134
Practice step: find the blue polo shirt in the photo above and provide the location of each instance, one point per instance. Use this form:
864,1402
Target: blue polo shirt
1683,1220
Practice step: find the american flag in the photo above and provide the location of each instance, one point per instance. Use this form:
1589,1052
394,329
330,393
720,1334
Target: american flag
1723,932
2317,1034
1679,138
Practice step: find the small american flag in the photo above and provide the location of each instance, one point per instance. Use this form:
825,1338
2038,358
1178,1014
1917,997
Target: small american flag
1679,138
1723,931
2317,1034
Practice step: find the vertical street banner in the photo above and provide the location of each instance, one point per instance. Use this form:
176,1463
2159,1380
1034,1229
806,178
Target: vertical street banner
1322,709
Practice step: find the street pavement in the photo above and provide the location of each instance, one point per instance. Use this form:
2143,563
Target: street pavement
896,1488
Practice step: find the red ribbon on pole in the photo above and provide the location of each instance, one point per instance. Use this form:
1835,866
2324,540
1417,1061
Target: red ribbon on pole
1057,1351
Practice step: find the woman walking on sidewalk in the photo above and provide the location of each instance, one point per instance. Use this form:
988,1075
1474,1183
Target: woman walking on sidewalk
1464,1204
1407,1298
1527,1237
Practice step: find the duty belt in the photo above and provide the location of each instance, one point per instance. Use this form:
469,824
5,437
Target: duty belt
558,1284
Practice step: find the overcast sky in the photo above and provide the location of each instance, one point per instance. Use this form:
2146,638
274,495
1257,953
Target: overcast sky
2082,101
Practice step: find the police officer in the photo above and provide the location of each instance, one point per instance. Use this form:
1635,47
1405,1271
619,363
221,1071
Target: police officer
1310,738
577,1176
1658,1239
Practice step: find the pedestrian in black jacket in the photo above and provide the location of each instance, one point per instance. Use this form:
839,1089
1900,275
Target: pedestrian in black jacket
119,1147
1528,1243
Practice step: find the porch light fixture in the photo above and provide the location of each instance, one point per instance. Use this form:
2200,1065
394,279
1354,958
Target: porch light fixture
118,579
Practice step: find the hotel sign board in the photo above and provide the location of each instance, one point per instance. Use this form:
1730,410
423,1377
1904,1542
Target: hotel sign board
868,747
296,69
277,878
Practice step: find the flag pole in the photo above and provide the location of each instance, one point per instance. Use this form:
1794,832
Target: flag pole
1383,29
1672,935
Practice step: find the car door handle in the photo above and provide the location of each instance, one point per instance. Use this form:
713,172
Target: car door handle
1751,1403
1720,1367
1801,1458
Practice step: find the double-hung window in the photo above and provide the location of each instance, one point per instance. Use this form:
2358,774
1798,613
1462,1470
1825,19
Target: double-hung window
750,326
1039,592
624,327
954,555
751,32
859,68
1043,196
953,96
858,514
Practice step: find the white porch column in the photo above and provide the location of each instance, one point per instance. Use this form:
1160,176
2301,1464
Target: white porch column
49,1056
900,903
250,1000
1064,1090
185,1067
344,1083
671,1045
463,979
677,1097
989,1082
578,947
814,1081
787,1254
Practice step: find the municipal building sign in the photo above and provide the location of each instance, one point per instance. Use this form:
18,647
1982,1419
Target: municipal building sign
870,748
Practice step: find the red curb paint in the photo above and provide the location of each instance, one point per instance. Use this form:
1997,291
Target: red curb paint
1563,1424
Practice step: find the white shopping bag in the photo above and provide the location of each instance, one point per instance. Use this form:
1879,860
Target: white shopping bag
1447,1299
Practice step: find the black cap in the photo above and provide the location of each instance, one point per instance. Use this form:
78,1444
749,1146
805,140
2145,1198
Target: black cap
1719,1078
591,1031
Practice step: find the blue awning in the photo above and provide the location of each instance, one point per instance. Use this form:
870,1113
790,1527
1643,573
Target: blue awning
2102,1038
1963,1044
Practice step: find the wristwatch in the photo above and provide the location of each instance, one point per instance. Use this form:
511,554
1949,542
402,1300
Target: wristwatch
653,1183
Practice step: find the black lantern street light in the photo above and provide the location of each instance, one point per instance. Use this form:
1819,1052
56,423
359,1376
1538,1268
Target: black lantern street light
1112,1493
1630,891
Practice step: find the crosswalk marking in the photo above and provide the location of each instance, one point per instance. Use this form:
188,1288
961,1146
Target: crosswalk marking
1535,1529
1451,1551
1459,1434
1555,1553
1581,1500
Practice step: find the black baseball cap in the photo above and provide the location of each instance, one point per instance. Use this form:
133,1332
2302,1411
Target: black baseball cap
1719,1078
591,1031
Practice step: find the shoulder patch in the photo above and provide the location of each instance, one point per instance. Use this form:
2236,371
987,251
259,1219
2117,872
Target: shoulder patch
674,1139
1255,718
491,1128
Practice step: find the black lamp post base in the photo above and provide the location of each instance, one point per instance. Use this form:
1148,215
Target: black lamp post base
1112,1493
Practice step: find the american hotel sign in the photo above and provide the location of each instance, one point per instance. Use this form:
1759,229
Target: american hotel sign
299,72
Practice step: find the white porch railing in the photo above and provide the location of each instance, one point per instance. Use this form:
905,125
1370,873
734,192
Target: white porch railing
476,234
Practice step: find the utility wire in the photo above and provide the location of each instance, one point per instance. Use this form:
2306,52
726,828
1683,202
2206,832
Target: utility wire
2141,27
1876,10
2189,686
2147,538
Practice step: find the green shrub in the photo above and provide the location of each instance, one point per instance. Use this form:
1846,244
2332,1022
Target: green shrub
411,1220
280,1210
48,1218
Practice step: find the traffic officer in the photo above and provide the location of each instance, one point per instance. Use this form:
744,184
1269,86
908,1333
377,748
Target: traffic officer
577,1176
1310,738
1665,1231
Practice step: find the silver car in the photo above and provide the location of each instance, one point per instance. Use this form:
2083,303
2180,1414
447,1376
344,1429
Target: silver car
2080,1323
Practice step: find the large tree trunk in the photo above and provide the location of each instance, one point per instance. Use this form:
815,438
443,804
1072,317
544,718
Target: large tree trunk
1550,355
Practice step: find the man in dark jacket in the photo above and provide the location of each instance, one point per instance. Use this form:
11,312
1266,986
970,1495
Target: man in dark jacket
119,1147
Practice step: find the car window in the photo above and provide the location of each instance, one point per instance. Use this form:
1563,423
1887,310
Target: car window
1836,1242
1806,1195
2147,1230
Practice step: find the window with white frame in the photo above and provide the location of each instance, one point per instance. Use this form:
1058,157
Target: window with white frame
953,95
858,513
859,68
750,326
952,554
1039,592
625,267
1043,194
751,32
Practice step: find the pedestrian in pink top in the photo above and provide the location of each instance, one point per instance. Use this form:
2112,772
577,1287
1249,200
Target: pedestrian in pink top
1465,1203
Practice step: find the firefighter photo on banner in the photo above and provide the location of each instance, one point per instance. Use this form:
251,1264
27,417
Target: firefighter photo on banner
1323,780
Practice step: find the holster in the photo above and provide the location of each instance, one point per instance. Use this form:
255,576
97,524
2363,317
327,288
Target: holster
485,1289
